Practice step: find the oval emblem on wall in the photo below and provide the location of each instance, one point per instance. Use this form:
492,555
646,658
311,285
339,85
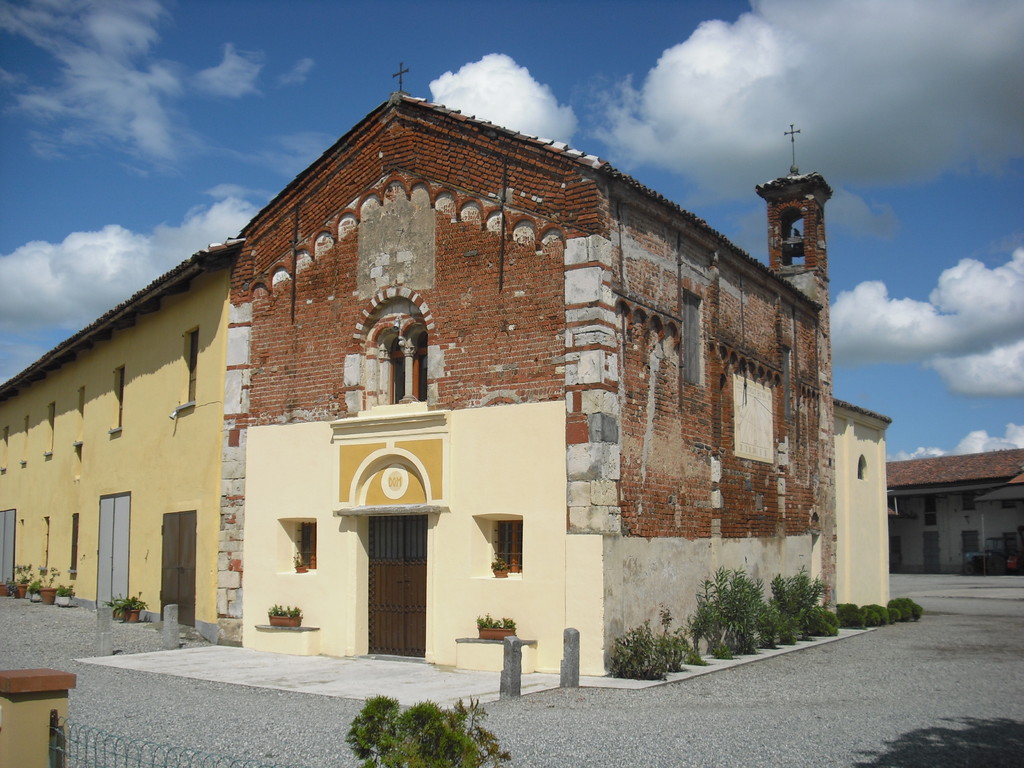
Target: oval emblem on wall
394,481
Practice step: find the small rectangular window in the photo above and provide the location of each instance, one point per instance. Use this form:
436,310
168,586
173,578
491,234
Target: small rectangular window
691,339
119,394
929,518
74,543
508,544
192,359
306,545
51,418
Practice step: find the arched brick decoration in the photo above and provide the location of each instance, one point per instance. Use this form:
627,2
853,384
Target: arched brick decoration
524,232
346,225
445,203
302,261
324,243
470,211
280,275
386,295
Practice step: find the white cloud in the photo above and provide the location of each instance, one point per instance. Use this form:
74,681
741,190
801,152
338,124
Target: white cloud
234,77
979,441
71,283
297,74
107,89
970,331
882,92
498,90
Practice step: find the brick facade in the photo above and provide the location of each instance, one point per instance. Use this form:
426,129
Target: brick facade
536,273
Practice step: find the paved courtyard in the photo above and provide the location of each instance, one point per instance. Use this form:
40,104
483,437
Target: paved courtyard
944,691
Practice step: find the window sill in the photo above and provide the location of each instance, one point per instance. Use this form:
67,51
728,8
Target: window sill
183,408
115,431
47,454
76,444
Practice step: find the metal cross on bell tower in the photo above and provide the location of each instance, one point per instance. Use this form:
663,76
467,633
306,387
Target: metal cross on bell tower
792,140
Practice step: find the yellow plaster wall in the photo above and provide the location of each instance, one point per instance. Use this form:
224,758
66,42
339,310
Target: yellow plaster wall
862,524
166,465
501,462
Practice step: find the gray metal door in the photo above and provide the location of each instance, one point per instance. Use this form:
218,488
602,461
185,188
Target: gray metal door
931,552
7,544
112,557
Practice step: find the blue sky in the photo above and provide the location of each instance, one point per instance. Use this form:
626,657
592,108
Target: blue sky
135,133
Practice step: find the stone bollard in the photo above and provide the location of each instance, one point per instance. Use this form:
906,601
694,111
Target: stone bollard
570,677
104,630
511,668
171,637
27,697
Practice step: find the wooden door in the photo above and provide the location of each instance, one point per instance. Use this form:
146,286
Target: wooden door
112,552
398,585
178,581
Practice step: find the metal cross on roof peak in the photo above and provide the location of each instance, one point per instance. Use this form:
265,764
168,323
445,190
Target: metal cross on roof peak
402,70
792,140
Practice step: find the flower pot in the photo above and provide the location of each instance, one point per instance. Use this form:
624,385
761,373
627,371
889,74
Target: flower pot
48,594
35,597
495,633
64,601
500,574
131,615
3,590
22,590
301,568
285,621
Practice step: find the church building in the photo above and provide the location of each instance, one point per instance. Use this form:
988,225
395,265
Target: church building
450,346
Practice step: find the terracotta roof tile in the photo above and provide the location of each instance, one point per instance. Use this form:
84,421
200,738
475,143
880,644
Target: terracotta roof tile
999,466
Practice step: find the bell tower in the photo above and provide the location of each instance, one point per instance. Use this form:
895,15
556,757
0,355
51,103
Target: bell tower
797,250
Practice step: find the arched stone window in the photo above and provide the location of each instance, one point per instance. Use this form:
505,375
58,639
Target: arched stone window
862,469
397,354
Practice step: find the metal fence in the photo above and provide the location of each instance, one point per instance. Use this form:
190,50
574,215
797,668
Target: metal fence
73,745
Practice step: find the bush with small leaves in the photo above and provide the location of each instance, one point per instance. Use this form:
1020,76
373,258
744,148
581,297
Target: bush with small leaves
721,651
850,615
636,655
894,613
769,626
822,622
875,615
796,598
383,736
908,609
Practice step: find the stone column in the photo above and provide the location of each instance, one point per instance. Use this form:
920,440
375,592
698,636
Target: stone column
511,668
409,350
570,677
104,630
171,638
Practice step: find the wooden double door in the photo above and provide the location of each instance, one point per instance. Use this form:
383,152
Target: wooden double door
398,585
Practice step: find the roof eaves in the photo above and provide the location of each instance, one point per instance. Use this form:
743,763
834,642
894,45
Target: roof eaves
216,256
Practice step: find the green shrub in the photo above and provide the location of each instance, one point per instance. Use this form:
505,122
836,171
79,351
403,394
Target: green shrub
728,612
383,736
641,655
894,613
721,651
875,616
822,622
797,597
636,655
769,626
850,615
908,609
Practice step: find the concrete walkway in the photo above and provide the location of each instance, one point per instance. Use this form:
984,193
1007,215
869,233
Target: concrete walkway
408,681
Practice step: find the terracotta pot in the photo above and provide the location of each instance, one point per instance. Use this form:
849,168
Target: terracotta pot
500,574
48,594
3,590
301,568
22,590
285,621
494,633
131,615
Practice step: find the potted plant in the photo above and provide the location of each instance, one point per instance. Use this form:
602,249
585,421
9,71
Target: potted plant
48,592
64,595
4,591
33,591
131,608
285,616
23,577
301,566
495,629
499,567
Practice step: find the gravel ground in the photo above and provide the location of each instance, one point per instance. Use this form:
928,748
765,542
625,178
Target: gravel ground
945,691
